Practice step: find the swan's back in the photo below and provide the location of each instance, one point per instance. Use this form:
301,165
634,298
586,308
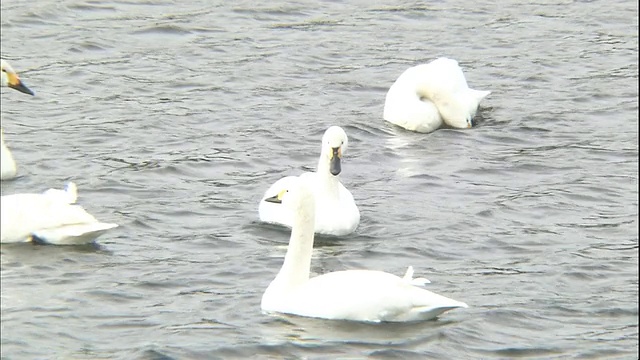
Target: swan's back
49,217
365,295
406,107
336,211
444,74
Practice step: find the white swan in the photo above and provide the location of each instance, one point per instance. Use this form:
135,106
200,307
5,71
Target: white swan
359,295
426,95
337,213
7,164
50,217
10,79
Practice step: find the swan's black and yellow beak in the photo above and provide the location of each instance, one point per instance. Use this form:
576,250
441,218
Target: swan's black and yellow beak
276,199
17,84
334,160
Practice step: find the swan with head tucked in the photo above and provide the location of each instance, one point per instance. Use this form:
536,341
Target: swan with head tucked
10,79
358,295
425,96
336,211
50,217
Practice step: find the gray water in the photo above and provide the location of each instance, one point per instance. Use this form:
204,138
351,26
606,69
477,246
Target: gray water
173,118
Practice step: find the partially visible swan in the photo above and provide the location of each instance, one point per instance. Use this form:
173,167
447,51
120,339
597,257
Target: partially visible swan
7,164
358,295
425,96
9,79
337,213
50,217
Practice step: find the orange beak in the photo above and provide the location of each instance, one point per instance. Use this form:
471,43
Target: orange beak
17,84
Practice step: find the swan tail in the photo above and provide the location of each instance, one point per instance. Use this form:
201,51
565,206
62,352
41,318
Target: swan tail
430,310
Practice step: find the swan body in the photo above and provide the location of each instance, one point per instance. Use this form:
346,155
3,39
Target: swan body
336,211
9,78
428,95
357,295
50,217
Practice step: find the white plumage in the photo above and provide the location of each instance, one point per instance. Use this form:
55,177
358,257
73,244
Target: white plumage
336,211
359,295
425,96
9,78
51,217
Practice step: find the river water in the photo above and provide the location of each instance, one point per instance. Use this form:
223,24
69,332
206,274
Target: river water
173,118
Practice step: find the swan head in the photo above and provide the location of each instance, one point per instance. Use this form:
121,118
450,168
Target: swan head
458,110
11,79
298,196
334,144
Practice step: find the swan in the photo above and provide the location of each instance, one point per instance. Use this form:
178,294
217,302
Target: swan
357,295
427,95
7,164
9,79
337,213
50,217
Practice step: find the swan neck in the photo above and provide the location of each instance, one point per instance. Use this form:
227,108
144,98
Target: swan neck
323,165
297,261
425,90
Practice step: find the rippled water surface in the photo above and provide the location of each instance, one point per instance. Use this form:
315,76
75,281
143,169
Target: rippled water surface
173,117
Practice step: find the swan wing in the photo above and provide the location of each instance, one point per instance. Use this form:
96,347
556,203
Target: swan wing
47,217
365,295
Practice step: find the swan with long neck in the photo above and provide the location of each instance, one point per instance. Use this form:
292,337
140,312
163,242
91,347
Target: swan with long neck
425,97
9,78
357,295
7,163
52,217
336,211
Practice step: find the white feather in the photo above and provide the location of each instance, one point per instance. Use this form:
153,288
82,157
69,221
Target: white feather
336,212
50,217
359,295
425,96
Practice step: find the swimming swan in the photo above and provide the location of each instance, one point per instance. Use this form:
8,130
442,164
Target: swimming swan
12,80
50,217
337,213
358,295
425,96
